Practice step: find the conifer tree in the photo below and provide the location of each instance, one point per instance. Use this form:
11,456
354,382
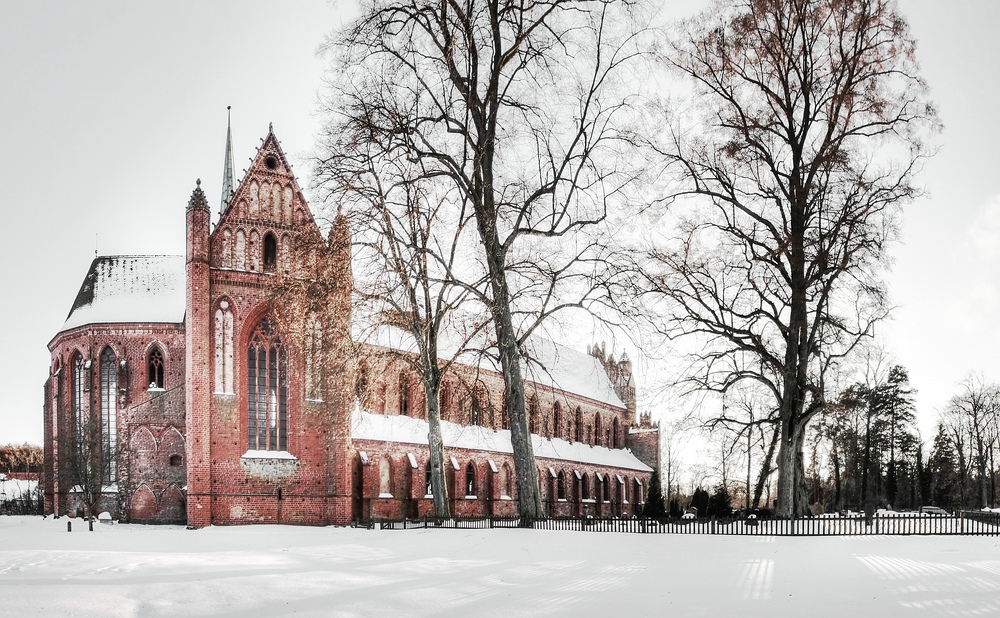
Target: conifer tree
654,507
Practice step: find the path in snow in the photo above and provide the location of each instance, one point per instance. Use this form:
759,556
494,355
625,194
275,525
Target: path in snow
284,570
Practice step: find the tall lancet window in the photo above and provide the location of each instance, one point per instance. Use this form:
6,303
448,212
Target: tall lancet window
314,359
109,417
79,395
267,390
224,349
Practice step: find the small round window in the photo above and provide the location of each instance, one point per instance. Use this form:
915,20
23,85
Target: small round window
271,162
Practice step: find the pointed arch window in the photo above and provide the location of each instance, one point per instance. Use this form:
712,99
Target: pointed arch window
240,253
404,394
446,400
314,364
533,415
557,416
227,248
481,410
561,486
254,251
284,259
385,478
506,484
579,425
267,390
79,393
270,253
224,348
109,416
470,480
361,385
154,368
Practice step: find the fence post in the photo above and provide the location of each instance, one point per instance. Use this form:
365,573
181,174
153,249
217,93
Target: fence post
713,524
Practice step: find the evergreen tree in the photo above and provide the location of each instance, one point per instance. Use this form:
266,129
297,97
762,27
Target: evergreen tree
721,502
675,508
700,501
654,507
943,471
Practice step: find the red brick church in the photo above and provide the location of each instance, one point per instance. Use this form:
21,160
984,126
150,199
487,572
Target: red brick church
198,401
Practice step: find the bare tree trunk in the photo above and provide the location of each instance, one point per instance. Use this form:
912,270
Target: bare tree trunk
435,444
765,466
529,501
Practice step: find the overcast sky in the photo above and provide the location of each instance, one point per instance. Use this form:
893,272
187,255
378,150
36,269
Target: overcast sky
111,110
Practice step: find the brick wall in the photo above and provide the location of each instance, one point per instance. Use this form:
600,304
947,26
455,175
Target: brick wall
132,344
403,492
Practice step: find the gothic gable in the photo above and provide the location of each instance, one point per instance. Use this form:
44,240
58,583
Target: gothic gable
267,212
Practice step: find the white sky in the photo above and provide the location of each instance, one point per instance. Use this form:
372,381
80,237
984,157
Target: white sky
111,110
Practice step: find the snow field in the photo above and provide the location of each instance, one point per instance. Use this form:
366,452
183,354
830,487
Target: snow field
130,570
13,488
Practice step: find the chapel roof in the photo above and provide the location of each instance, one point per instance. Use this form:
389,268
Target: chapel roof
408,430
545,362
130,289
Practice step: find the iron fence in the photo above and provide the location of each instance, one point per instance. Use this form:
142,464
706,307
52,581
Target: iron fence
970,523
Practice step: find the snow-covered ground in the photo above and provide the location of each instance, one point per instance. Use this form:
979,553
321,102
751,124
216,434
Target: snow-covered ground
11,489
130,570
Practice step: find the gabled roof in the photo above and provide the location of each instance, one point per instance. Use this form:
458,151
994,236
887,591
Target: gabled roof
569,370
130,289
408,430
547,363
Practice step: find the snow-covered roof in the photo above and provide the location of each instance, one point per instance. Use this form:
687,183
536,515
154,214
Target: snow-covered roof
548,363
572,371
408,430
131,288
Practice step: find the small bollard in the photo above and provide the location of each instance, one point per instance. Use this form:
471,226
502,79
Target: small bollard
69,526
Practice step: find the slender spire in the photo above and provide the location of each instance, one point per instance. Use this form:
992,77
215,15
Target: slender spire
227,170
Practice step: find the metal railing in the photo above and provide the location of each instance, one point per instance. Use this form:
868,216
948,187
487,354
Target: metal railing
969,523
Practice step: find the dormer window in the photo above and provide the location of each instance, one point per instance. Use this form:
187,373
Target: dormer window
270,253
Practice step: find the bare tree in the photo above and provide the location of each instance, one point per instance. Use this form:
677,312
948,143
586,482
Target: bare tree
807,139
506,105
971,418
85,469
409,275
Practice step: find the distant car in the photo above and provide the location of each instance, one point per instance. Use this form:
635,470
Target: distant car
3,477
933,510
689,516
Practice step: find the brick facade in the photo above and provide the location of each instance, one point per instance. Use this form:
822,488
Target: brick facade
252,420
